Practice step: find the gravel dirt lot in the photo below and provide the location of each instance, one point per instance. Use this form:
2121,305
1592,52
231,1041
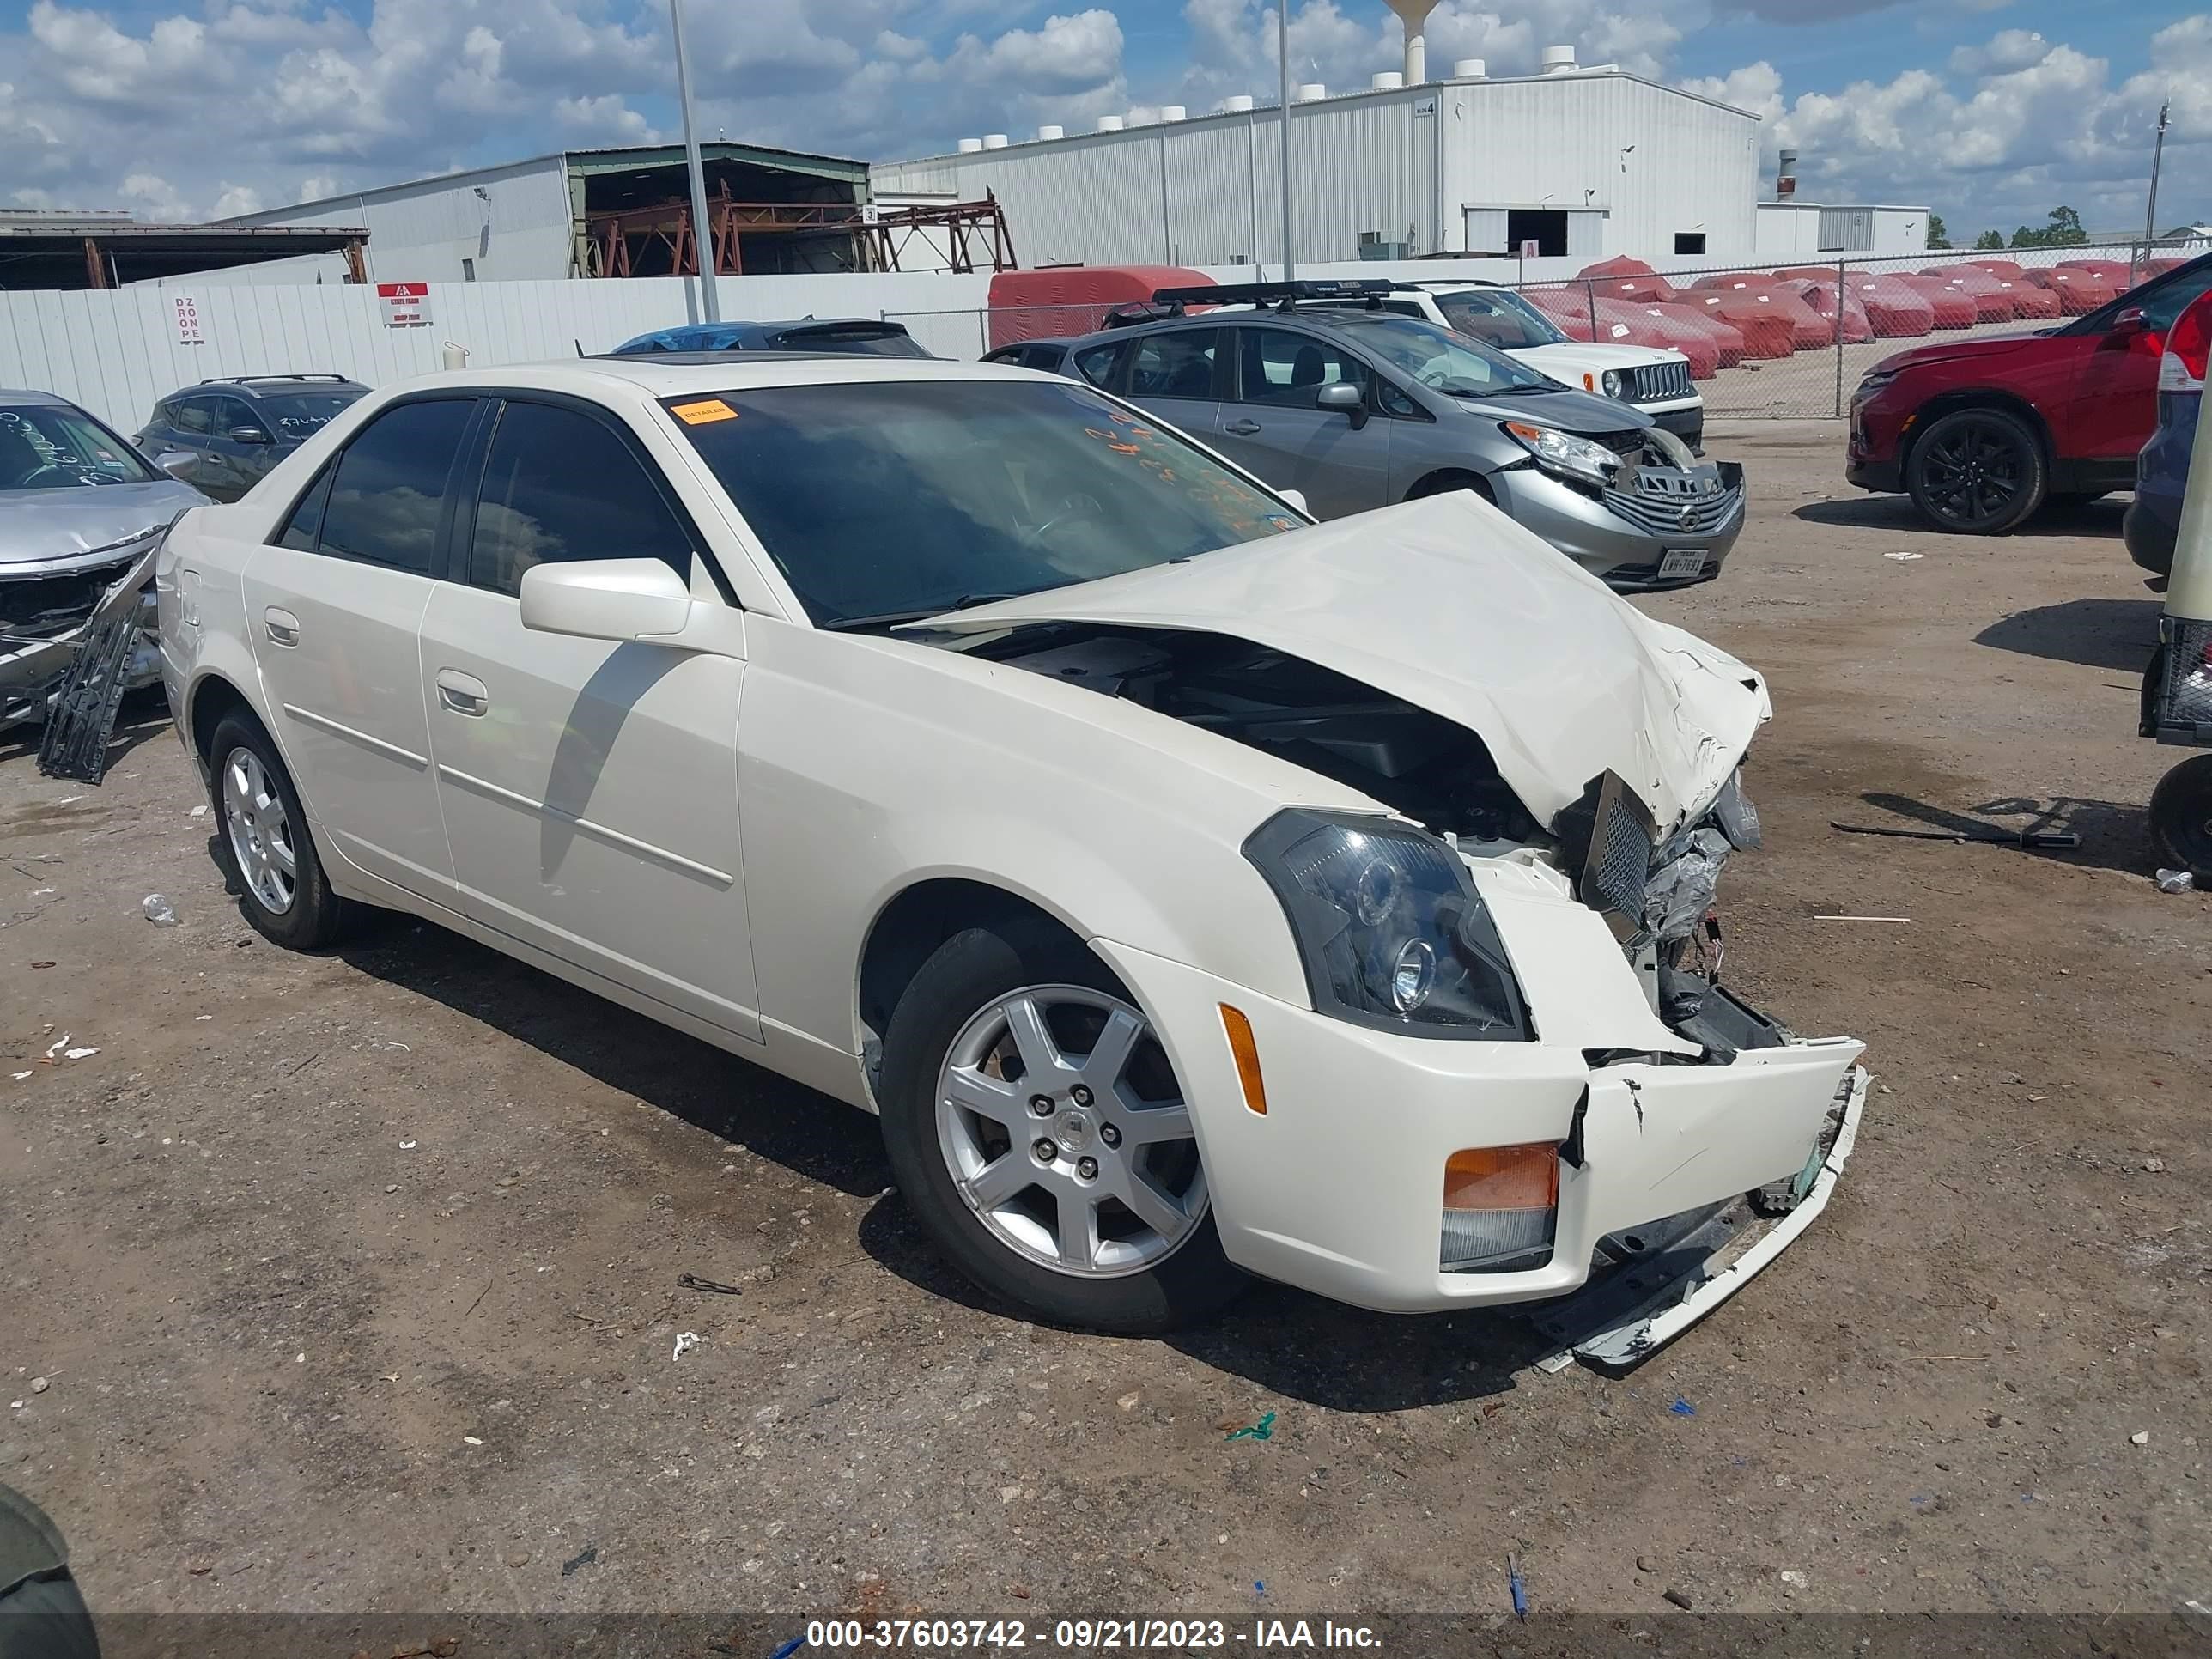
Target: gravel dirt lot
355,1277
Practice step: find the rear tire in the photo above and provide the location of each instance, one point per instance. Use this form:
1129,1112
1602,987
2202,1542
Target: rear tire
1978,472
2181,818
958,1095
263,844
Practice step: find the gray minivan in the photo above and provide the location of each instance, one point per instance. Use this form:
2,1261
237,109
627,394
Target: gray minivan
1359,409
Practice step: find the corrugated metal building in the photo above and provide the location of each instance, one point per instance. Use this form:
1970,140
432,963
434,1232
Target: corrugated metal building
1582,162
565,215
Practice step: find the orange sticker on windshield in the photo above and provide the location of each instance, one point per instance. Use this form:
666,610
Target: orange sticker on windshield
703,413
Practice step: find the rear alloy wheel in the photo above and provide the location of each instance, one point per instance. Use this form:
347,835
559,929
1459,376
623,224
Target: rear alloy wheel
263,842
1978,471
1037,1128
2181,818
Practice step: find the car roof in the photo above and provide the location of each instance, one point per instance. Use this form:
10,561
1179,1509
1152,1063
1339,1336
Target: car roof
27,396
255,385
744,327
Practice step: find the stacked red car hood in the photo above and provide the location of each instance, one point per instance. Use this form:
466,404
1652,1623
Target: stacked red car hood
1727,341
1766,328
2080,292
1819,294
1897,310
1624,278
1992,301
1949,307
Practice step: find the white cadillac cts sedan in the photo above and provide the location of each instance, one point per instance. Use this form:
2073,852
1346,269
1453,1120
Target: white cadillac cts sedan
1193,891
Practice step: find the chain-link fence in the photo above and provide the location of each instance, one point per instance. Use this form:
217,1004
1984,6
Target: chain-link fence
1784,339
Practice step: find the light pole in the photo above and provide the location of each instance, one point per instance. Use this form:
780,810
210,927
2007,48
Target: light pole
1283,62
702,233
2157,157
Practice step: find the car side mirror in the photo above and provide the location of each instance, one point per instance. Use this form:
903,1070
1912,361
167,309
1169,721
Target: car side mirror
2127,323
251,434
615,599
1343,395
175,462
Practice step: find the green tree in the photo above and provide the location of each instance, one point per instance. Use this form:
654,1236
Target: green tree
1989,239
2064,230
1939,235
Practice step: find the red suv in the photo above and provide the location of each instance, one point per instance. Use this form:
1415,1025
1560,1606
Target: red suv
1982,432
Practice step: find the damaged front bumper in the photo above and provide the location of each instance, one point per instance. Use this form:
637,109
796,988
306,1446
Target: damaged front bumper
1673,1138
47,608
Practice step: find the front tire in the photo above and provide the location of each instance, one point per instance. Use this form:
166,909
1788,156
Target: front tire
1978,472
1014,1039
2181,818
262,843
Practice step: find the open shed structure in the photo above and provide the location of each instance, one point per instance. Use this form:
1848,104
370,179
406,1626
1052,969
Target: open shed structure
43,250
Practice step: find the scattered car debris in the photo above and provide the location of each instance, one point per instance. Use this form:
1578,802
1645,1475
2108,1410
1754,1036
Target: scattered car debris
686,1339
1990,835
1888,918
1647,1564
158,910
1682,1407
789,1648
1553,1364
1670,1593
713,1287
1515,1584
471,1440
576,1563
20,1076
40,1384
2176,881
199,811
2140,1437
1797,1580
1262,1429
1904,556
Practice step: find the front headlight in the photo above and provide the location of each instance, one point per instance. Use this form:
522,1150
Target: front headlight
1562,451
1873,383
1389,926
1615,383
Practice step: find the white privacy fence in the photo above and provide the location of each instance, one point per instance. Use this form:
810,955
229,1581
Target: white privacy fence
118,351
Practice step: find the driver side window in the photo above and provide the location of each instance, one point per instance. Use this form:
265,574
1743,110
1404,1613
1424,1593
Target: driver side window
1287,371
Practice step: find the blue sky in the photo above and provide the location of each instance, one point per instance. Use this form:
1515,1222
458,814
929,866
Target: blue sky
1990,111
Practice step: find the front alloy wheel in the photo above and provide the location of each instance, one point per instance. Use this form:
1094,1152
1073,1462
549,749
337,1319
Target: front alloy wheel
1059,1122
1038,1131
1978,471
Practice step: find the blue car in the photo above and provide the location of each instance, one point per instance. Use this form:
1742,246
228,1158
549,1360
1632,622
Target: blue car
833,335
2162,469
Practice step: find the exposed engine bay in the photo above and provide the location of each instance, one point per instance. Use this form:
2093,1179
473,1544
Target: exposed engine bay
1656,895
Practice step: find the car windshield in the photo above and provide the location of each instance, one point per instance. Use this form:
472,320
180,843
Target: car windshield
295,415
1446,361
50,447
1498,317
887,501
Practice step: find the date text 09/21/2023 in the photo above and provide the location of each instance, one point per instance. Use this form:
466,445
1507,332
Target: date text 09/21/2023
1085,1635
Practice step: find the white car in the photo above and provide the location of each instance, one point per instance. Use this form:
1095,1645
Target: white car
1649,378
1195,891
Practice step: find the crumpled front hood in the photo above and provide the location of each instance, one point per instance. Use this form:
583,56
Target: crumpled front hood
1450,605
37,525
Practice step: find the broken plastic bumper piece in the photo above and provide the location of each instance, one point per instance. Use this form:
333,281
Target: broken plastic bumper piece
1650,1282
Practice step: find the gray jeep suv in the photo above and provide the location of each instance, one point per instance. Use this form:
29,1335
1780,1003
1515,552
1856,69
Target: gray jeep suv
1359,409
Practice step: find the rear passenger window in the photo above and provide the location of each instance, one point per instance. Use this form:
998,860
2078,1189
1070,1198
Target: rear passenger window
192,416
1174,365
306,523
558,485
390,486
1097,365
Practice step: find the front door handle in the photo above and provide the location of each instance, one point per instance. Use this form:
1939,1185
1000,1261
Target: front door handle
464,694
1242,428
284,627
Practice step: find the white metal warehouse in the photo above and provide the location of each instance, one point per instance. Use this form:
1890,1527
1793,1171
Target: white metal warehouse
1584,161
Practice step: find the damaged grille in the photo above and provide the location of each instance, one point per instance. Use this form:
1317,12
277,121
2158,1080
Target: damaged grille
1654,383
1666,515
1627,444
47,607
1616,865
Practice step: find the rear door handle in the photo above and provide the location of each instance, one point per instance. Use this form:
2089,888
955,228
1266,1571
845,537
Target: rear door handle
464,694
1242,428
284,627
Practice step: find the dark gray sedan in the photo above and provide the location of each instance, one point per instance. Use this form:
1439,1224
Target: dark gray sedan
1359,409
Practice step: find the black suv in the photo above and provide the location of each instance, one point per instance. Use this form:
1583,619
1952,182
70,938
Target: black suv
236,429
